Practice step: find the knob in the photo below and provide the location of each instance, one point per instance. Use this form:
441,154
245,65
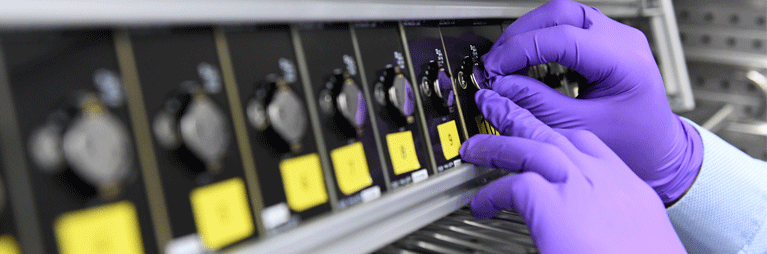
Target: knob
276,106
343,97
467,73
436,84
87,139
192,120
393,90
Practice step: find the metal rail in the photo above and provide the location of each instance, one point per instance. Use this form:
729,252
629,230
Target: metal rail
95,13
370,226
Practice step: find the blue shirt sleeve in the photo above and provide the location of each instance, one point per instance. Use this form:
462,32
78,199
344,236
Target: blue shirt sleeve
725,209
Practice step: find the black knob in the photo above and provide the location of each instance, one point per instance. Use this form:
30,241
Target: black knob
85,139
190,120
437,86
468,74
343,97
394,92
275,107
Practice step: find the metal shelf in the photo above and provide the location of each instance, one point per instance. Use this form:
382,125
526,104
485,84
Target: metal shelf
368,227
94,13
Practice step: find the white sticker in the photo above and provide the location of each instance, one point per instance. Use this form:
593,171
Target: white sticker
189,244
351,65
456,162
211,79
370,193
288,70
419,175
400,60
275,215
110,87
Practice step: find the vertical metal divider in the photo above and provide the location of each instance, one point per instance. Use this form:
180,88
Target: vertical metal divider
20,191
303,68
240,131
665,63
455,88
417,95
141,132
675,49
369,102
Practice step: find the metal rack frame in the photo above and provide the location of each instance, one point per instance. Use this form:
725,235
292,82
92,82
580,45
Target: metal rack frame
73,13
370,226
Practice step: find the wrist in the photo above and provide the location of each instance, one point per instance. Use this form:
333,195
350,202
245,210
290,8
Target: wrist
688,166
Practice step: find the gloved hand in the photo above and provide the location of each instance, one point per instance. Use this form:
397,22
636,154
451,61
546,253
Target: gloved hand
574,193
625,103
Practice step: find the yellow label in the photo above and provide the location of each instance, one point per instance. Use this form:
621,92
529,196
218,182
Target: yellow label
111,228
484,126
351,168
448,137
303,182
8,245
402,152
221,213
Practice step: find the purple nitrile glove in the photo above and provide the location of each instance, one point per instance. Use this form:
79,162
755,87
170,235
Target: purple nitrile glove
624,104
573,192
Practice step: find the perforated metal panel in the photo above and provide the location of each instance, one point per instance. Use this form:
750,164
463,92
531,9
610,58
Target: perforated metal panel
725,44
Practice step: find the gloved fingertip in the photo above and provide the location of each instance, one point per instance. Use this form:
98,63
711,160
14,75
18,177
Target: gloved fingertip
462,151
482,95
479,211
469,144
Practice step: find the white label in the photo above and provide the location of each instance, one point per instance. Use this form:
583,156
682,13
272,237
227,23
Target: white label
370,193
400,59
288,70
275,215
419,175
351,65
440,58
211,79
189,244
456,162
110,87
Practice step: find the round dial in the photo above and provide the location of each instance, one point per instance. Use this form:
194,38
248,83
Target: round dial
98,149
395,94
436,83
466,74
287,115
87,139
401,94
342,96
204,130
351,103
191,119
276,105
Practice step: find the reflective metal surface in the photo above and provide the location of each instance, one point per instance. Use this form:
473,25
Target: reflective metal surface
204,130
287,115
459,232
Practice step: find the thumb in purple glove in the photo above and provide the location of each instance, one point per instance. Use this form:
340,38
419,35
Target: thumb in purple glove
573,192
624,104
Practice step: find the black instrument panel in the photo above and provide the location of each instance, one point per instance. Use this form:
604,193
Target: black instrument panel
78,138
197,138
